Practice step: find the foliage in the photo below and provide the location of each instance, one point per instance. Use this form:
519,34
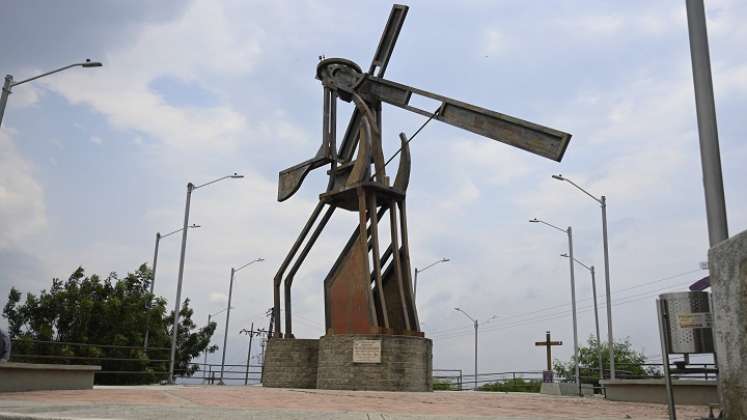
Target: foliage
85,319
513,385
443,385
629,363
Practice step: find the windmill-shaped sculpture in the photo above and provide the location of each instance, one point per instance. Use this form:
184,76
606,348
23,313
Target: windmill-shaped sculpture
369,290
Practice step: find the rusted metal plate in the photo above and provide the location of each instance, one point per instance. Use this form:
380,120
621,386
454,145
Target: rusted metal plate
347,293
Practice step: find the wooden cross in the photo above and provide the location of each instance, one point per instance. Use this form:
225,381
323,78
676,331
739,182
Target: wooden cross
548,343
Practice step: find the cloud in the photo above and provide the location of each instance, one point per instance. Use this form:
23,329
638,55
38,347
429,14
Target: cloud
200,44
23,210
216,297
96,140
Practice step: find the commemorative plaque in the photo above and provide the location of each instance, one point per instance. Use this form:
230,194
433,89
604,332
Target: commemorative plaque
367,351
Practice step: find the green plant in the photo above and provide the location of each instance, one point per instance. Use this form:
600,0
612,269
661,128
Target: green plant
90,320
513,385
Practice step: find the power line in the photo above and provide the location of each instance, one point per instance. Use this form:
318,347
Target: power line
557,315
448,331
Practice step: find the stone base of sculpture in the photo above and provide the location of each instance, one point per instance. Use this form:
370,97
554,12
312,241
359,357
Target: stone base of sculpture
351,362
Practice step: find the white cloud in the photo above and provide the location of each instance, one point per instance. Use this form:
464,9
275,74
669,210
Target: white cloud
495,42
216,297
96,140
22,208
202,43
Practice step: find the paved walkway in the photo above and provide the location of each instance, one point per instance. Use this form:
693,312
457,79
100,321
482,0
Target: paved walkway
235,402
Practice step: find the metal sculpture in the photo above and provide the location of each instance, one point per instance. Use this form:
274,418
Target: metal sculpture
368,291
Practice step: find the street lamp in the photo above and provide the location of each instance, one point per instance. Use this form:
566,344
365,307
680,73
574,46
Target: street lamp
603,203
476,323
415,287
228,313
153,277
569,232
596,309
177,304
10,84
204,363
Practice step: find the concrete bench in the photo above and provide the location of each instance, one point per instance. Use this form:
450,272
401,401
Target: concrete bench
39,377
686,391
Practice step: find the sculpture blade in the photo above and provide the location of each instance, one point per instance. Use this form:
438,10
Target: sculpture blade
388,39
526,135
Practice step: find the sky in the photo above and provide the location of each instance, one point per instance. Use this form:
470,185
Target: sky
94,162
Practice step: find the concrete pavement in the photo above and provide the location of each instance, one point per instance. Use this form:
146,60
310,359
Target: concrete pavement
253,402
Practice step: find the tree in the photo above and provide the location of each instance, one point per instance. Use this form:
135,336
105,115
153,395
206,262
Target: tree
87,320
629,363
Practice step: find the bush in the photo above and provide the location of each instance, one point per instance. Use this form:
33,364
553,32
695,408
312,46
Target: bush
442,385
513,385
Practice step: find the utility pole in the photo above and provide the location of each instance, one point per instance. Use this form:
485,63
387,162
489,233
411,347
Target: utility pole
251,333
268,334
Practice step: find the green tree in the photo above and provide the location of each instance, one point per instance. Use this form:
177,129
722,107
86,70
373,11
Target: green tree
629,363
89,320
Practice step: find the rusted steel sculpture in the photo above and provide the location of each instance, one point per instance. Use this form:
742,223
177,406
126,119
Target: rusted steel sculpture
369,291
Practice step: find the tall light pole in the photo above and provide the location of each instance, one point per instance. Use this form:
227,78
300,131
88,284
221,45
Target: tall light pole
608,292
153,278
569,232
710,155
177,304
476,324
228,313
415,287
9,84
204,363
596,309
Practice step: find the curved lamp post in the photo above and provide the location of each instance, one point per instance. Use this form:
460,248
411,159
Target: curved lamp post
415,287
153,276
569,232
476,324
177,304
596,309
603,203
204,363
228,313
9,84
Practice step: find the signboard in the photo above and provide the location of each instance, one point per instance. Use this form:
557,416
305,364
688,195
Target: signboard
367,351
695,320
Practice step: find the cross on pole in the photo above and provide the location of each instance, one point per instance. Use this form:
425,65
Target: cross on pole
548,343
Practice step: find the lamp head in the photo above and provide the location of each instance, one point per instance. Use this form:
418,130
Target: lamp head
559,177
236,176
89,63
195,226
457,309
445,259
564,255
259,259
535,220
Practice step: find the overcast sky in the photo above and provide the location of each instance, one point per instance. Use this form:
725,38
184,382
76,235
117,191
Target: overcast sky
93,162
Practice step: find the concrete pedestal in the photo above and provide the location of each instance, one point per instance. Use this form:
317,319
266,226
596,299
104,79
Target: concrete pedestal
728,267
290,363
566,389
406,364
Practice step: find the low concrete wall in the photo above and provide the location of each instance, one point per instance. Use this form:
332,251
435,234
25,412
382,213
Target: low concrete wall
566,389
39,377
654,390
406,364
290,363
728,268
